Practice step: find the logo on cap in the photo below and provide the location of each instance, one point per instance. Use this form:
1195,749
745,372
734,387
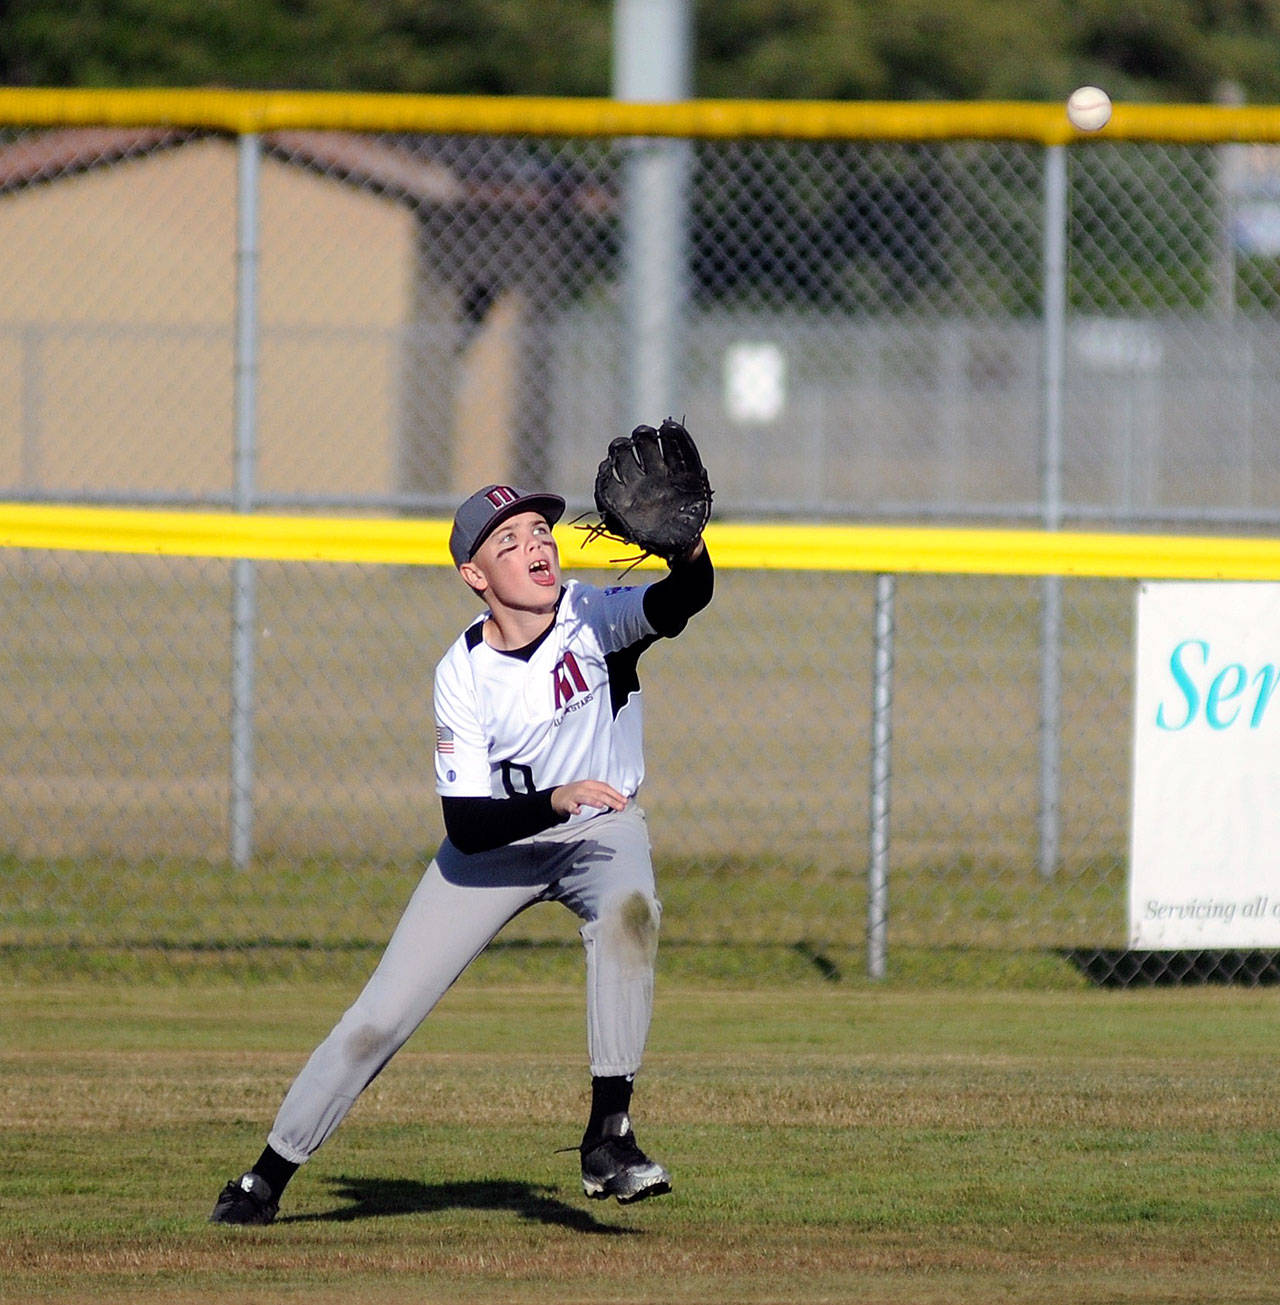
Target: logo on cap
489,506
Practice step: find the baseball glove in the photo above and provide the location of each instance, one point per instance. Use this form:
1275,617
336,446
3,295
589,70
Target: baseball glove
652,491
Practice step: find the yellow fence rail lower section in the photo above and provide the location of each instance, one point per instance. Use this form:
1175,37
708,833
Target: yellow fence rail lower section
780,546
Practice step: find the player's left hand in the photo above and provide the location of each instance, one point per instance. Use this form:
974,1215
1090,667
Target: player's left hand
569,799
692,555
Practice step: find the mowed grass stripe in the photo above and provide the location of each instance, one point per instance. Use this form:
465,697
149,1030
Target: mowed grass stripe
826,1145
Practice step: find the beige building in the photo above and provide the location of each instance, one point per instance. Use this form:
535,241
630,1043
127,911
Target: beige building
398,338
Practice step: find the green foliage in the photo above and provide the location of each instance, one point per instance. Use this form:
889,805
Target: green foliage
794,49
807,49
480,46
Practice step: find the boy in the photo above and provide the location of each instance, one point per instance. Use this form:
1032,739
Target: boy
538,763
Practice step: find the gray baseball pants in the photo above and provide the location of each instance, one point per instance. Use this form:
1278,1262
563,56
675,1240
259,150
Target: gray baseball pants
601,869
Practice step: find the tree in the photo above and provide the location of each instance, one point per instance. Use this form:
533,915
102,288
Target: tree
795,49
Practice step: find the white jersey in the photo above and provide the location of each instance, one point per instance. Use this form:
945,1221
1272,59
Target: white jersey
507,724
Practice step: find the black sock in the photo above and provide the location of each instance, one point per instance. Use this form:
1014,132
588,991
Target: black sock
609,1096
276,1170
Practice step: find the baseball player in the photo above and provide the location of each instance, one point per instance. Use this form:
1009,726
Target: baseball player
538,763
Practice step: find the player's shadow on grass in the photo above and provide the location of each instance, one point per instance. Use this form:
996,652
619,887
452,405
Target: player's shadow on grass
371,1198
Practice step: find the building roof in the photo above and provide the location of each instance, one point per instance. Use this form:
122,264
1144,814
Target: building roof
33,158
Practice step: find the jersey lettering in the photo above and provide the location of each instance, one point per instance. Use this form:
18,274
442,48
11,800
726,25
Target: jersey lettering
518,732
568,679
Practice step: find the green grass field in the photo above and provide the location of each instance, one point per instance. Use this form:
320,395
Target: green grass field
829,1141
983,1127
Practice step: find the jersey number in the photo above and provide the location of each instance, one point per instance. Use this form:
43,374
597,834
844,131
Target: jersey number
513,771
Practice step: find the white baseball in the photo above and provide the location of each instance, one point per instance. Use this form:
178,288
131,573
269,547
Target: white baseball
1089,108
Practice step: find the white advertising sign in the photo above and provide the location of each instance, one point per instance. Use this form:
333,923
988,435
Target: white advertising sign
1204,865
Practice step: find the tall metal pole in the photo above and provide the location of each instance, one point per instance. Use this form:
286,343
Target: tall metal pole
244,574
1055,326
651,63
32,408
881,777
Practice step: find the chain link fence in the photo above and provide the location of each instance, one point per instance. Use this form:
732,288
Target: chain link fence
854,330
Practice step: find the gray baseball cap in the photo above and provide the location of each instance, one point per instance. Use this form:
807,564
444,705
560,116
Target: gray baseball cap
487,508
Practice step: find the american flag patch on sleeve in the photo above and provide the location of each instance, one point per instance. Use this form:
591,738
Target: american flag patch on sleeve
444,739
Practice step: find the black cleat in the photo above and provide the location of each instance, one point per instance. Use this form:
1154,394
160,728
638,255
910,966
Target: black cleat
614,1165
246,1199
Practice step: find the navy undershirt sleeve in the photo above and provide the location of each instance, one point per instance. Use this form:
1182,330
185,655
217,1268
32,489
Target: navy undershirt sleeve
671,601
479,824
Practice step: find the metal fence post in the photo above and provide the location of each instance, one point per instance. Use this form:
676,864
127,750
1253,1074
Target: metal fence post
653,40
244,574
881,775
1055,313
32,408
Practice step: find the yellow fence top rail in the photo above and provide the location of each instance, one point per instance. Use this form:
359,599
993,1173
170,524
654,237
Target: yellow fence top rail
798,547
263,111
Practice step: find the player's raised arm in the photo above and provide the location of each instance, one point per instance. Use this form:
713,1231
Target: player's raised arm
686,590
